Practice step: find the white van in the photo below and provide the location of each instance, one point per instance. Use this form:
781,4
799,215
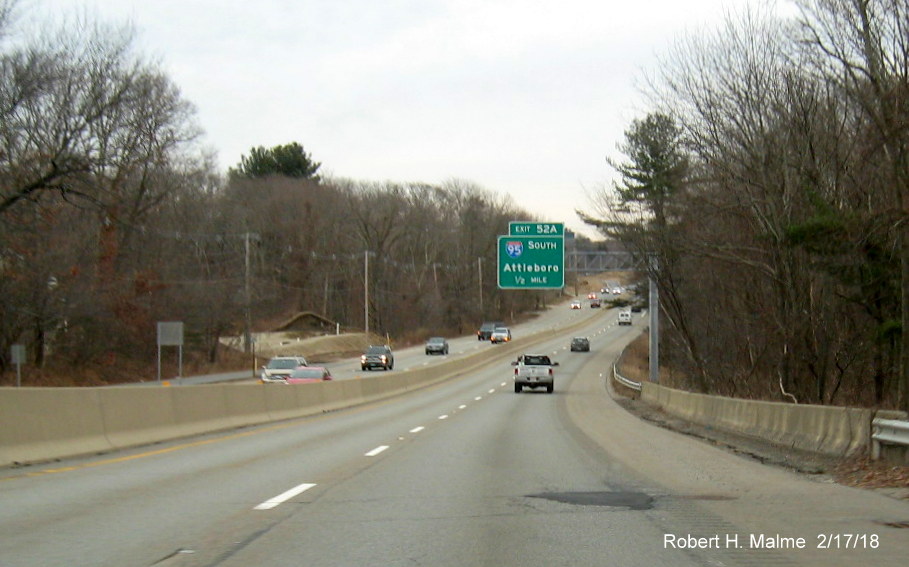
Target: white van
624,317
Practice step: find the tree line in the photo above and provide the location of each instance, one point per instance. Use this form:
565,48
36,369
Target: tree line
113,217
768,190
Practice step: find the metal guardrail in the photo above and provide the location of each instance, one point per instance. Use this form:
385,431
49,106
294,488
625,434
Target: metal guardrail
888,432
624,381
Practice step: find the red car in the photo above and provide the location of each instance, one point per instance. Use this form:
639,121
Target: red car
305,374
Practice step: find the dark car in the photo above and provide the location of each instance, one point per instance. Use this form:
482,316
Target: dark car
377,357
487,328
436,345
580,344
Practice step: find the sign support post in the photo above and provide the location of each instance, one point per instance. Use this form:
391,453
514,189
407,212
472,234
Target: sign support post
171,334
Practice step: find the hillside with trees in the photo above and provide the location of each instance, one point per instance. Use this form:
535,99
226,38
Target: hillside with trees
113,218
768,189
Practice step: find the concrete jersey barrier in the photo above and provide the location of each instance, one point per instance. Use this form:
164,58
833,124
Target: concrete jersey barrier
829,430
41,424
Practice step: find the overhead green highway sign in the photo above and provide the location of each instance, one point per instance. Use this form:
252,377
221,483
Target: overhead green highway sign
531,262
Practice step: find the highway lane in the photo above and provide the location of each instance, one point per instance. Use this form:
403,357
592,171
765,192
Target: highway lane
463,473
558,315
136,507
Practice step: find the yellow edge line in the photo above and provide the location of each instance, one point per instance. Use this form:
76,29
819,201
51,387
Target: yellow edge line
147,454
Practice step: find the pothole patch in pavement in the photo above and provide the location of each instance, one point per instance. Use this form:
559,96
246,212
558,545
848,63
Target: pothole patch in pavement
630,500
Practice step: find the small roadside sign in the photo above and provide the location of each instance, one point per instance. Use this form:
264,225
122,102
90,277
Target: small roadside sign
17,353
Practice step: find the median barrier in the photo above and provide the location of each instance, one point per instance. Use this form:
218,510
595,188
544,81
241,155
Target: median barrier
339,394
135,416
281,401
246,404
40,424
200,409
45,423
309,399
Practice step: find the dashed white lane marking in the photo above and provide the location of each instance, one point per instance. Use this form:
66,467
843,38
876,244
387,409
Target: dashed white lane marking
462,406
493,391
376,451
417,429
443,417
478,398
284,497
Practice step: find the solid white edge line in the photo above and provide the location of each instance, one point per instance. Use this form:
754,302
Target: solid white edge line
376,451
284,496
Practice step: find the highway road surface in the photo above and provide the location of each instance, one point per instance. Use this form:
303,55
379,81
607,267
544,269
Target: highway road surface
465,472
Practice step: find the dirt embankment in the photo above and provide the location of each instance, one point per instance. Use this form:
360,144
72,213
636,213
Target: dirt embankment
322,348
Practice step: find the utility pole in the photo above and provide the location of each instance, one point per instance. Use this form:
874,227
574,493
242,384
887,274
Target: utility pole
366,292
247,336
480,277
654,301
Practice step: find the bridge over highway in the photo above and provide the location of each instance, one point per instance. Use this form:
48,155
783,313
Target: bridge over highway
594,261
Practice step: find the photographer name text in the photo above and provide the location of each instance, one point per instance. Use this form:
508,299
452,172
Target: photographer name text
770,541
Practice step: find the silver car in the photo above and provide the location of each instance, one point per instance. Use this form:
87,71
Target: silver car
500,335
280,367
436,345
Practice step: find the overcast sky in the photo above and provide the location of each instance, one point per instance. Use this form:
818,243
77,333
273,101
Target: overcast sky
523,97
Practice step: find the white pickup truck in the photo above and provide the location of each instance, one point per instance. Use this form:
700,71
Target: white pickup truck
533,371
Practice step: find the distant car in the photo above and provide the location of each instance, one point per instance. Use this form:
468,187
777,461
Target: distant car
624,317
306,374
500,335
575,304
616,291
580,344
594,302
377,357
636,307
436,345
591,295
487,328
279,367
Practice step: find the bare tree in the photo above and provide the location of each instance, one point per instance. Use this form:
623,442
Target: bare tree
770,144
862,47
87,130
